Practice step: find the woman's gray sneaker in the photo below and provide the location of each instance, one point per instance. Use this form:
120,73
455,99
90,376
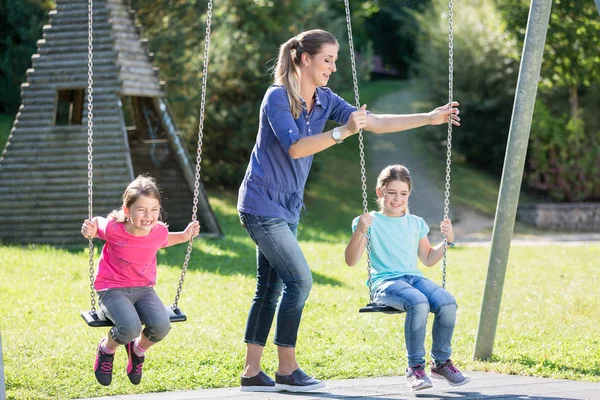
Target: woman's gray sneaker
448,372
417,379
297,381
258,383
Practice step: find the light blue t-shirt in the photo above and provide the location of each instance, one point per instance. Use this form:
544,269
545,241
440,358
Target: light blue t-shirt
394,246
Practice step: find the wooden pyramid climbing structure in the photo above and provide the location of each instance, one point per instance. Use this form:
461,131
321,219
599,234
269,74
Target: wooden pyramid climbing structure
43,169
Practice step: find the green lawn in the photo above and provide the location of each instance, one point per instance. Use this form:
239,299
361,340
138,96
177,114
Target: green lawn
547,327
49,351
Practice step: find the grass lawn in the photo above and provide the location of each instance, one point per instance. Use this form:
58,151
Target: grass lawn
49,351
547,326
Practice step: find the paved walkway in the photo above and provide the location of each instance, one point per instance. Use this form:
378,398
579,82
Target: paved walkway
482,386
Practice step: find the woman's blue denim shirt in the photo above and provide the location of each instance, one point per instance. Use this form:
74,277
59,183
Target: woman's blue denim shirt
273,185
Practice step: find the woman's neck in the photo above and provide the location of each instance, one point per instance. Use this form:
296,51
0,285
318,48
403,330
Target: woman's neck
307,91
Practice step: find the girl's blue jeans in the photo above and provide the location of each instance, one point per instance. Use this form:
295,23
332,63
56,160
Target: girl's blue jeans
129,308
281,267
417,296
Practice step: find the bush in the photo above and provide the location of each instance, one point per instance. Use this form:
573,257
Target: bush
485,76
21,24
563,160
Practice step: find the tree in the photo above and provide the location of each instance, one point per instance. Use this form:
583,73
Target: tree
246,35
485,75
21,23
572,49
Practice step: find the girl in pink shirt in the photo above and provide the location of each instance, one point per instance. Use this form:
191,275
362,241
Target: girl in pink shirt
127,274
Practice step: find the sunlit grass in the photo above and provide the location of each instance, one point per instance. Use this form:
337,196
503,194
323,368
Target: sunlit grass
547,323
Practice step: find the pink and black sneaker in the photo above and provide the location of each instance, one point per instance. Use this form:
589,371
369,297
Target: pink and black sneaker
103,367
135,364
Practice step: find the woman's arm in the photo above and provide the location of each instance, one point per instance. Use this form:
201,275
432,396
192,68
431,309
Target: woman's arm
358,241
384,123
314,144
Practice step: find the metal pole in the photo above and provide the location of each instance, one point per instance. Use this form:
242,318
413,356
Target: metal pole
2,387
512,174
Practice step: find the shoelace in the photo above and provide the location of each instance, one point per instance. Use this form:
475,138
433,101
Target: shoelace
106,367
419,373
452,368
138,369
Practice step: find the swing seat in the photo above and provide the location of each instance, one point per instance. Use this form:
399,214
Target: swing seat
98,319
374,308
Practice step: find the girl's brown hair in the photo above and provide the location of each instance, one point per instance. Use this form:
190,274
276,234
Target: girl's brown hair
396,172
143,185
287,70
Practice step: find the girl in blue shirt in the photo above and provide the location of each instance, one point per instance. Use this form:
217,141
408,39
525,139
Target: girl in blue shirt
397,239
292,119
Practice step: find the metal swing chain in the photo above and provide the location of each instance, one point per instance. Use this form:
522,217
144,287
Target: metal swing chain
90,116
361,146
198,151
449,140
361,143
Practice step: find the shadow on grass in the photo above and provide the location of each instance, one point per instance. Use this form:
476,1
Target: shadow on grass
235,254
226,257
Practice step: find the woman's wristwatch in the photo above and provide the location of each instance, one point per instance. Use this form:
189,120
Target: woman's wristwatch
336,134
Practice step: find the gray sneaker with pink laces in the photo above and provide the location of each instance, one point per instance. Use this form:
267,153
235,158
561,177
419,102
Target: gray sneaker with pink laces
417,379
449,372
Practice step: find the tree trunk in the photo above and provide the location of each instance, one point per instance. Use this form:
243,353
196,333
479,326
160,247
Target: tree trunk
573,101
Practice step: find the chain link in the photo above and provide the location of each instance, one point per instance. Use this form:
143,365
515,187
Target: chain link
198,151
361,145
90,116
449,139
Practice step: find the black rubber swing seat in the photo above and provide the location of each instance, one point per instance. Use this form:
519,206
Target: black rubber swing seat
373,308
98,319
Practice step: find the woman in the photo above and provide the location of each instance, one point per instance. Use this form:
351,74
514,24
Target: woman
292,118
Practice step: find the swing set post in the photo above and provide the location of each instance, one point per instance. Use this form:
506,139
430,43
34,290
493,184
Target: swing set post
512,174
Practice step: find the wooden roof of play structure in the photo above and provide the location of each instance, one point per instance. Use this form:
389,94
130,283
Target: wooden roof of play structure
43,169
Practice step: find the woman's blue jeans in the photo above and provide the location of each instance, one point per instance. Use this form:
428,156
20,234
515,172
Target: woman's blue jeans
417,296
281,266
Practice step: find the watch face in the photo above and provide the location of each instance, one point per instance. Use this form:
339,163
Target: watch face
336,134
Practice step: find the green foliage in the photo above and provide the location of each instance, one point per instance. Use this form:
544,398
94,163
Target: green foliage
485,73
5,127
390,26
571,55
563,156
245,39
563,159
21,24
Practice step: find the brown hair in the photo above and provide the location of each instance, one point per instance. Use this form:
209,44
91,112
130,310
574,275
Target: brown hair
396,172
287,70
143,185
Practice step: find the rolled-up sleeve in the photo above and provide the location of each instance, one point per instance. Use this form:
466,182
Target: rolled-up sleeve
340,109
278,113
